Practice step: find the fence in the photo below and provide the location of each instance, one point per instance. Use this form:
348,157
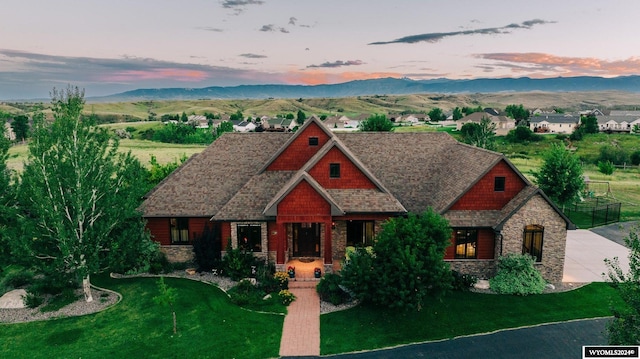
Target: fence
594,212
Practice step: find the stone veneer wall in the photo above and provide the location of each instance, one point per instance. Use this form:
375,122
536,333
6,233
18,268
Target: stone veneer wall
482,268
339,241
264,245
538,211
178,253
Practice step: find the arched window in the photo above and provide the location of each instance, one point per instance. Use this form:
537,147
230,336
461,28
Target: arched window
533,239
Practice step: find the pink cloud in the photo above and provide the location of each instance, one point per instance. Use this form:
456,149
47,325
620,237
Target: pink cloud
562,65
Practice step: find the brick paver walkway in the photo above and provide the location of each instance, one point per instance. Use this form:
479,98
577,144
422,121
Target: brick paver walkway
301,329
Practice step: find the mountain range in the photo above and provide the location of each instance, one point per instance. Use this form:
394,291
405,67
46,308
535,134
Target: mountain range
384,86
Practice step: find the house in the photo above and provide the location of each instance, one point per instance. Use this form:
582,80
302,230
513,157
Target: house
8,132
198,121
618,123
314,193
503,124
554,123
244,126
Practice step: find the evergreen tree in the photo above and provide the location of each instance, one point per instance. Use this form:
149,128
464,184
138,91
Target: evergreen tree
561,175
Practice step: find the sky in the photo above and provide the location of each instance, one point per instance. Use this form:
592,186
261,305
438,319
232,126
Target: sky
107,47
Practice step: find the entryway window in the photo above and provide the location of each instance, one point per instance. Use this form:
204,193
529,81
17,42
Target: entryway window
250,237
466,243
179,229
533,239
360,233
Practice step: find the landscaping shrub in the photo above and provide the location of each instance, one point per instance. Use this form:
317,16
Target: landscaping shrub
329,289
282,278
16,278
517,275
159,263
245,293
286,297
32,300
237,263
463,282
206,250
615,155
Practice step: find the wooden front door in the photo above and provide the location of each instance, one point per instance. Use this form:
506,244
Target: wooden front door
306,240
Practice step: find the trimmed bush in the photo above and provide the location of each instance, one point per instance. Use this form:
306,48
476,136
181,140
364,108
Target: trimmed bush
329,289
463,282
286,297
517,275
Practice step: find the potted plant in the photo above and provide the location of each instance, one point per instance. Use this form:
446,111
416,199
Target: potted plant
317,272
291,271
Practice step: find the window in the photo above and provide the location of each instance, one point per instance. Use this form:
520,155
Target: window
250,237
360,233
532,243
466,243
179,228
498,185
313,141
334,170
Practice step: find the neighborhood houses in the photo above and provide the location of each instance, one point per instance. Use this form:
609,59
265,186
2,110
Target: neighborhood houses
315,193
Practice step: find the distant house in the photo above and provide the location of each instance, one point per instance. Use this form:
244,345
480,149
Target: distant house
244,126
503,124
619,123
341,123
8,132
554,123
314,193
198,121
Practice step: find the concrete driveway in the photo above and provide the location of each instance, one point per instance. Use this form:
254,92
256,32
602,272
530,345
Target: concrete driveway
585,255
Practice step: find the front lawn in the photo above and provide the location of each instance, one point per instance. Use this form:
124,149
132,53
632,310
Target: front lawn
459,313
209,326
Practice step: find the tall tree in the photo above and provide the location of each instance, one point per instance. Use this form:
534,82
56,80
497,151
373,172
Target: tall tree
561,175
457,114
376,122
7,199
301,117
79,192
589,124
20,127
480,135
624,329
517,112
436,114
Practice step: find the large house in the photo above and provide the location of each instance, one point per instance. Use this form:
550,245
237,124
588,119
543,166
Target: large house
503,124
314,193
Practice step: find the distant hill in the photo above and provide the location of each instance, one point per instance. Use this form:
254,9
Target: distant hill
386,86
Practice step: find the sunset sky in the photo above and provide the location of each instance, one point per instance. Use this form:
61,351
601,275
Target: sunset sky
113,46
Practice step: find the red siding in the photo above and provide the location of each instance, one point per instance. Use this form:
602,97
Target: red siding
304,201
484,250
482,195
225,234
299,151
350,175
272,236
159,228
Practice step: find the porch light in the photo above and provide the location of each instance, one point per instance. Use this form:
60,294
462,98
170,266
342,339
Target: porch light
333,225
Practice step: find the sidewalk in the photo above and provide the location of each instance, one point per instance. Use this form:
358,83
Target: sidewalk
301,329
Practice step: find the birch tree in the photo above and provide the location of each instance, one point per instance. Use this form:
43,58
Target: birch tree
76,190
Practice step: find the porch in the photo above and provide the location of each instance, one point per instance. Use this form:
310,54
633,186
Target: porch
305,268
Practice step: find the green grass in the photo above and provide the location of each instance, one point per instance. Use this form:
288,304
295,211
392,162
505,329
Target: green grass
208,326
459,313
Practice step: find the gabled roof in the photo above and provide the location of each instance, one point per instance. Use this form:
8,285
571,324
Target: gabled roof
272,207
410,172
312,120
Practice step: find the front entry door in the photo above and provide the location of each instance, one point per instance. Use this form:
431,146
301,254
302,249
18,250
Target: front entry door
306,240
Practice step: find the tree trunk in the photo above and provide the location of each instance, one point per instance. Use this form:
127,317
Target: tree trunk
175,324
86,287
